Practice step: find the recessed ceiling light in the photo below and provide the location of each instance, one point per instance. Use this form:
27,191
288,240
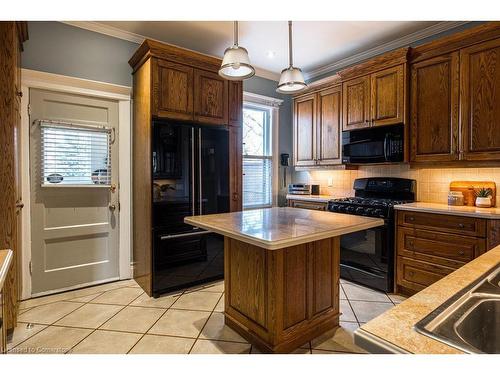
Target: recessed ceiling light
271,54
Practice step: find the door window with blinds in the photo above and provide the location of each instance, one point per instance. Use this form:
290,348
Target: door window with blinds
257,157
75,155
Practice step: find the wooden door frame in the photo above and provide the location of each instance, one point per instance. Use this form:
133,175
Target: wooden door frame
31,79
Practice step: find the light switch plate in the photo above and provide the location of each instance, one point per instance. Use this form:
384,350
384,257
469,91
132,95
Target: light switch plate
330,181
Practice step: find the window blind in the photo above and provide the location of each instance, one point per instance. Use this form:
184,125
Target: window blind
257,177
75,155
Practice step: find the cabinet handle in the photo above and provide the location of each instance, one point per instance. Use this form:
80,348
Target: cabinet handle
461,225
411,273
411,244
20,94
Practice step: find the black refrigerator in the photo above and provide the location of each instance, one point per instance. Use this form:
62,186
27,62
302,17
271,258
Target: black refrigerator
190,177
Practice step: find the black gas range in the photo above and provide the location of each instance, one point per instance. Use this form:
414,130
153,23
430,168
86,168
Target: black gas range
367,257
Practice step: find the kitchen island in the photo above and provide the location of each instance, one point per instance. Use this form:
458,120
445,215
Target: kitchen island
282,269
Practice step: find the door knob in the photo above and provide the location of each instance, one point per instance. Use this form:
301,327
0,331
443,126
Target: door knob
112,207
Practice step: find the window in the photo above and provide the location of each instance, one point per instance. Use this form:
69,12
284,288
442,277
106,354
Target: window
74,155
257,157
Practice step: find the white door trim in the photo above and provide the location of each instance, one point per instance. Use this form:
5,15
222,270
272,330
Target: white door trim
122,94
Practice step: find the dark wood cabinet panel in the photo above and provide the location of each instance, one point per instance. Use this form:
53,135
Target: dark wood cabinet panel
388,96
415,275
480,101
210,98
356,103
434,109
329,123
305,130
235,96
172,90
12,36
235,168
294,282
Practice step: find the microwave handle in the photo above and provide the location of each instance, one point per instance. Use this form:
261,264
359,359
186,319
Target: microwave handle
386,144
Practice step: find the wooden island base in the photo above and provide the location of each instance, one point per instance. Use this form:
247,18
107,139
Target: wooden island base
281,299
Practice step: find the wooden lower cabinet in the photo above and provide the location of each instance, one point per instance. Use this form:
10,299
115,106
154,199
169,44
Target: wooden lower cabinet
281,299
297,203
431,246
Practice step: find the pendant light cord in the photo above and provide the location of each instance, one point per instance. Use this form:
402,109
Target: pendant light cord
290,56
236,33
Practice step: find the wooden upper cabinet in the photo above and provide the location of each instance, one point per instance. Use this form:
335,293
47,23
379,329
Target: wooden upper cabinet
388,96
356,103
172,90
210,98
235,103
434,101
305,130
329,123
480,101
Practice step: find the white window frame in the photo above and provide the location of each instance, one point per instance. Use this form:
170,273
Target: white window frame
272,104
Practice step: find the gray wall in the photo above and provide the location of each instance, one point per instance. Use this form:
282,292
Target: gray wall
63,49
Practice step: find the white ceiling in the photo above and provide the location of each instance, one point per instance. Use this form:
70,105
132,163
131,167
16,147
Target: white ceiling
316,44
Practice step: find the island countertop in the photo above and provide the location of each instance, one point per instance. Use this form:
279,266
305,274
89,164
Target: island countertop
279,227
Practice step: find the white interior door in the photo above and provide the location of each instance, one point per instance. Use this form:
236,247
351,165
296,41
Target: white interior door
74,195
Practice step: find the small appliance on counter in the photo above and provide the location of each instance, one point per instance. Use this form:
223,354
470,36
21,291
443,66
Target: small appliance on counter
455,198
300,189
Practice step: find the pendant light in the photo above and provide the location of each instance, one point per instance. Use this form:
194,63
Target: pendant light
236,63
291,79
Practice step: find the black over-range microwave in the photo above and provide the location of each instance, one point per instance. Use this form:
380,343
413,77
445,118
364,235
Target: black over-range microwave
383,144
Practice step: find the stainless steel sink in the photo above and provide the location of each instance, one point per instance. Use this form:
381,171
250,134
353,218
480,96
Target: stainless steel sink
470,320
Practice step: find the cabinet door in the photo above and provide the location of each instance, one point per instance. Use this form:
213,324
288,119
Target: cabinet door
480,101
434,109
329,119
235,168
235,111
210,98
172,90
388,96
356,103
304,130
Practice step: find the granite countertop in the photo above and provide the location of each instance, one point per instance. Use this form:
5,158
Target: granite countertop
311,198
5,260
278,227
393,331
443,208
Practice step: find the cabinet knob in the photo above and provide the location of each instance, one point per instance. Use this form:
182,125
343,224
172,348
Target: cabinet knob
20,94
411,273
461,225
461,252
411,218
411,243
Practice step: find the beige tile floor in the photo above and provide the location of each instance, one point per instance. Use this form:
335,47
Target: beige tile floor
119,318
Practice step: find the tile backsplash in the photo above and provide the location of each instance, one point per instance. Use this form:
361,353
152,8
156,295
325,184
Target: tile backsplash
432,184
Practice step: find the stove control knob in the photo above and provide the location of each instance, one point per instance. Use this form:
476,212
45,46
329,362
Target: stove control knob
378,212
360,210
334,207
349,209
369,211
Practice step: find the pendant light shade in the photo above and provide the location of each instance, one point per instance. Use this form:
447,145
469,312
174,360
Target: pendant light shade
236,63
291,79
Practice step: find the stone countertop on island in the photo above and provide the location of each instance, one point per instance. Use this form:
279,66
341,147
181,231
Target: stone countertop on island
443,208
394,331
279,227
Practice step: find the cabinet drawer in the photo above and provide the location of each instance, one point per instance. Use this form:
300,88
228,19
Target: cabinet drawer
468,226
446,249
416,275
319,206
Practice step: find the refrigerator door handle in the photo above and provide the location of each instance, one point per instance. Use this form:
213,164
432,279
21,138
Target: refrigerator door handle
199,171
193,206
172,236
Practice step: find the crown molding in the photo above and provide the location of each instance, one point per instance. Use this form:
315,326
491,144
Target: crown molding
138,39
385,47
